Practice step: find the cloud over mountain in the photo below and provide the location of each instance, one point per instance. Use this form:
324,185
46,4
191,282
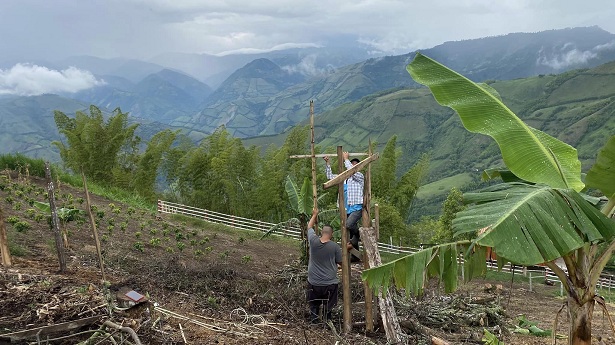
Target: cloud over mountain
30,80
572,57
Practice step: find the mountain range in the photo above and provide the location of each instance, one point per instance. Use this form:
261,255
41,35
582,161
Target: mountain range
560,81
504,57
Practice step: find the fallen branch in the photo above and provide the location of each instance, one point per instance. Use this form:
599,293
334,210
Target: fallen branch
128,330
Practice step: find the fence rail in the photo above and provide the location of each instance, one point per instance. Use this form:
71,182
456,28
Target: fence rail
607,281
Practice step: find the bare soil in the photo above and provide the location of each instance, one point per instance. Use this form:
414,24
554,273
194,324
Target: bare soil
208,284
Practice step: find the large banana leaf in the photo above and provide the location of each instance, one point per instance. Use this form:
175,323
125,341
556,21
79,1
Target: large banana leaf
412,271
306,202
293,194
525,224
532,224
602,173
529,153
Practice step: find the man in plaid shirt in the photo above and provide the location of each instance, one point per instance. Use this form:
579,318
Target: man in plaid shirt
353,195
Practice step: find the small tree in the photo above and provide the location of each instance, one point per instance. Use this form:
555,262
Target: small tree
96,144
538,220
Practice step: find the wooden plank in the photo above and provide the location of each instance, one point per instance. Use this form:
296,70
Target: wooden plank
4,243
344,174
60,327
321,155
390,321
347,327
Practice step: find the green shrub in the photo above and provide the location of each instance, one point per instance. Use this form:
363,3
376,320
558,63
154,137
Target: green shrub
22,226
138,246
12,219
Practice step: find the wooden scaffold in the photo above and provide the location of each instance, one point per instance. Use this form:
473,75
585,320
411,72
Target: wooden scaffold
370,255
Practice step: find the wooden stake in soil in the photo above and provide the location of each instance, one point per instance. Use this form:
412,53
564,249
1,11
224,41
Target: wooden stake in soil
93,224
387,310
55,222
4,243
366,220
345,258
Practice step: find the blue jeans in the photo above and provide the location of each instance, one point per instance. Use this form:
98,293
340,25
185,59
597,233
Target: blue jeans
352,224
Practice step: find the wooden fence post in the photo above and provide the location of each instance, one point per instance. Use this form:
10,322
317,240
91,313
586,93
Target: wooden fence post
93,223
55,222
4,243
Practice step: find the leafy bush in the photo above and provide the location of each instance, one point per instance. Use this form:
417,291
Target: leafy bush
22,226
12,219
138,246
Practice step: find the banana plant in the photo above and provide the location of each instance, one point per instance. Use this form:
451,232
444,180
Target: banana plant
538,217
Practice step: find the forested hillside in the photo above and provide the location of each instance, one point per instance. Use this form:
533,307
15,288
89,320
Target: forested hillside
576,107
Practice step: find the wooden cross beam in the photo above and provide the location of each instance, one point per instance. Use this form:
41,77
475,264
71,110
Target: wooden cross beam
347,173
321,155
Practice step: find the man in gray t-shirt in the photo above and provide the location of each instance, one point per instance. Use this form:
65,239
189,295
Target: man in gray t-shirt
325,255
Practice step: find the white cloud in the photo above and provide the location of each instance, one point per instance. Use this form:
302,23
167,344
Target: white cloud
282,46
30,80
308,67
572,57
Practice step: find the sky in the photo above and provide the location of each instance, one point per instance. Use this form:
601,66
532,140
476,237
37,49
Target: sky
36,33
143,29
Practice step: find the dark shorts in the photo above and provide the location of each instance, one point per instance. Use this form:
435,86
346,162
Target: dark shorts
327,295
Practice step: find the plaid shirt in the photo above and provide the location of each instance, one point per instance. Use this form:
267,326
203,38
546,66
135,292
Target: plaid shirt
354,184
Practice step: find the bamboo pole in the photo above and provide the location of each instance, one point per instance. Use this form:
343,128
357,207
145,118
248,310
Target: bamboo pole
4,243
366,220
314,189
321,155
55,223
377,221
93,223
345,257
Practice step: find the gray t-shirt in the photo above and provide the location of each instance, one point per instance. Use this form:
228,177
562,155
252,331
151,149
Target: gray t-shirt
322,268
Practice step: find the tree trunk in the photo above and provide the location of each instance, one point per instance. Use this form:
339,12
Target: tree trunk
580,316
390,321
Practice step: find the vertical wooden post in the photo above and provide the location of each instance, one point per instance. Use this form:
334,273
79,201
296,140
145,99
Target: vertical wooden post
314,190
377,221
93,223
345,257
366,222
55,222
4,243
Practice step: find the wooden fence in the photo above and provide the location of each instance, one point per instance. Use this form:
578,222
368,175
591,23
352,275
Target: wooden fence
606,281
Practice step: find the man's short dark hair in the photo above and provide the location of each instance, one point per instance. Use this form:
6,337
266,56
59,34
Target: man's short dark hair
327,226
355,160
